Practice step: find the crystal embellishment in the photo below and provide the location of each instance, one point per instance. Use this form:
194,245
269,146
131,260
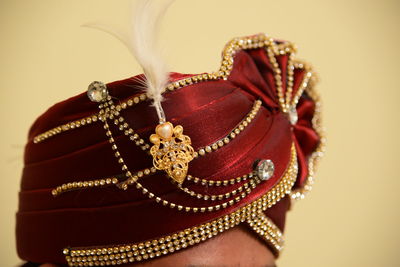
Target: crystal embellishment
293,117
265,169
97,91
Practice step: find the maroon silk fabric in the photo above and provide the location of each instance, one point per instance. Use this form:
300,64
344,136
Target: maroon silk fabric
207,111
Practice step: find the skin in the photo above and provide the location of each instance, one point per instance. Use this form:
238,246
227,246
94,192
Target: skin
236,247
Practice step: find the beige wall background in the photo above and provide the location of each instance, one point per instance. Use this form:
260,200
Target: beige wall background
352,216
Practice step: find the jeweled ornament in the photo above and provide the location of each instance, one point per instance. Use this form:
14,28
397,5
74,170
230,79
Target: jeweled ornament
293,117
97,91
172,150
265,169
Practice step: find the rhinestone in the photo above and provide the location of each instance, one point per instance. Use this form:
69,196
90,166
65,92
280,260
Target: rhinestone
97,91
293,117
265,169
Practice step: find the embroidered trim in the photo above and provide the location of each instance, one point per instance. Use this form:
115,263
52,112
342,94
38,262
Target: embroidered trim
128,253
307,86
267,230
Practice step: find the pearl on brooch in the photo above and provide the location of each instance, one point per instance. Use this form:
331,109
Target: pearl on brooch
165,130
172,151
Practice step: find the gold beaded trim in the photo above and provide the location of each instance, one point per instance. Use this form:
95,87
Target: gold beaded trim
267,230
130,181
129,253
85,121
284,186
149,171
307,81
84,185
245,187
252,42
289,82
287,181
226,182
128,131
237,130
277,76
79,185
308,86
143,173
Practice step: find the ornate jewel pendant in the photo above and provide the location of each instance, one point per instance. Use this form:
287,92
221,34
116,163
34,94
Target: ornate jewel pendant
172,150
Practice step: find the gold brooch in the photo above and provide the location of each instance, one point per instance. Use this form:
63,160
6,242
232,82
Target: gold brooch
172,150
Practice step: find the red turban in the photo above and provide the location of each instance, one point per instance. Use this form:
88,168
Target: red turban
259,108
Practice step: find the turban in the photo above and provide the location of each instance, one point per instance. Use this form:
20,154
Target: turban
91,195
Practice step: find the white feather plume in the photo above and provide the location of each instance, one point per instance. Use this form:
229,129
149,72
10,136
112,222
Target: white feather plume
143,43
